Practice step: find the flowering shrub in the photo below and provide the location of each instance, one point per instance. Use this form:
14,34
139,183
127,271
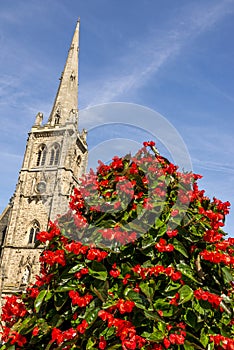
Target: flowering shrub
139,262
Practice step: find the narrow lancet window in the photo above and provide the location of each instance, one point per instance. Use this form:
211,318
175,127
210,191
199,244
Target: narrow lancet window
33,231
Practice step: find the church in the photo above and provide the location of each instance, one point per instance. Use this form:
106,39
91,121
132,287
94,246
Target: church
55,157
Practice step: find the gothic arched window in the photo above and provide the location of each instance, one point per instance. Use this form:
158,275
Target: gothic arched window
54,154
41,156
32,231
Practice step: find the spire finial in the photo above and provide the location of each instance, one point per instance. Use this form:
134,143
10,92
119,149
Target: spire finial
66,100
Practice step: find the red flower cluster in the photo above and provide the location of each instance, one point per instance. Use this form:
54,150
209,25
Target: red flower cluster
82,326
115,272
172,233
223,342
149,143
156,270
77,201
215,218
44,278
96,254
125,306
123,237
33,292
13,336
76,248
79,220
47,236
162,246
216,257
51,258
225,245
12,309
213,299
82,272
174,301
174,338
223,207
124,330
212,236
78,300
60,337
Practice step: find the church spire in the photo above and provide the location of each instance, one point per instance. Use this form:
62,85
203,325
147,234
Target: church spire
66,101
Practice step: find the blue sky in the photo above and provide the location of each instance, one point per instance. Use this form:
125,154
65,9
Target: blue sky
175,57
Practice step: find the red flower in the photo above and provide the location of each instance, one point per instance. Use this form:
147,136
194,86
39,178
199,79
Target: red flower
149,143
59,336
96,254
114,273
35,331
172,233
176,276
82,326
162,246
174,212
102,343
126,277
13,336
17,338
166,343
33,292
51,258
213,299
125,306
176,339
13,308
79,300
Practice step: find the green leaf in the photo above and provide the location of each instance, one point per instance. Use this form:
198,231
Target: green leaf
180,247
152,315
227,276
91,312
27,325
188,345
44,295
148,288
59,300
187,271
165,307
204,339
156,336
90,344
191,318
66,287
116,346
210,346
76,268
140,301
197,307
186,294
98,270
147,242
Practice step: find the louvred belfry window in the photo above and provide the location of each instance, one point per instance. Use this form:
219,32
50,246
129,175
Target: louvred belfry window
41,156
54,154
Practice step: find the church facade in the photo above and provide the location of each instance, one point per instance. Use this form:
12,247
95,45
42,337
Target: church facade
55,157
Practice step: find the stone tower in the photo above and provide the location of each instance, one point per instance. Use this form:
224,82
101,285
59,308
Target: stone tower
55,157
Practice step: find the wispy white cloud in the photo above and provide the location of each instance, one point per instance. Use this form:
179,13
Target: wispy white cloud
214,166
146,58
